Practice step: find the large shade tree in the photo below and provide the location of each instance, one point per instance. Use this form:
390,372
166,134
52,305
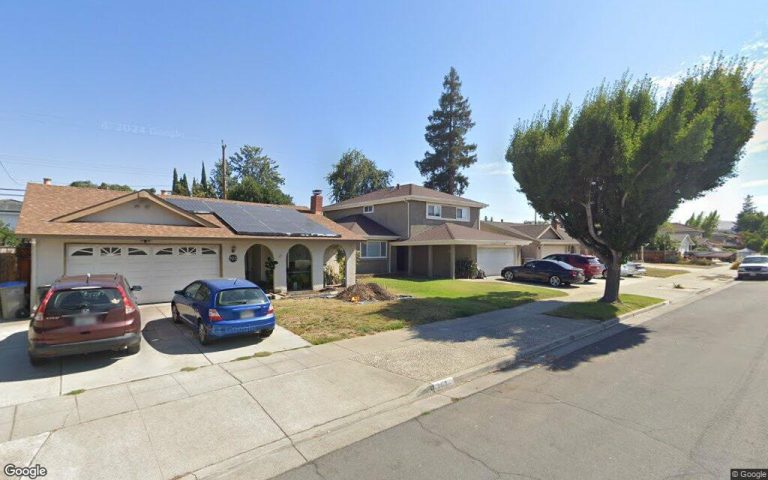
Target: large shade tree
355,174
614,170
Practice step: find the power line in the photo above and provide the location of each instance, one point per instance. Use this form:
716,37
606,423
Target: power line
9,174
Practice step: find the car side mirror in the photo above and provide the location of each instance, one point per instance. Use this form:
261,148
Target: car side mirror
136,288
179,292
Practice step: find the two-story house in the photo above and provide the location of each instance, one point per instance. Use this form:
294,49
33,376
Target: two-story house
415,230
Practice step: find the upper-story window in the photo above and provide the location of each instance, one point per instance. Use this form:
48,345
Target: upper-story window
462,213
434,211
368,209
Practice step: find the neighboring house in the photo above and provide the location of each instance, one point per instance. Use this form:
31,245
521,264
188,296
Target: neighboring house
415,230
163,242
684,237
9,212
546,238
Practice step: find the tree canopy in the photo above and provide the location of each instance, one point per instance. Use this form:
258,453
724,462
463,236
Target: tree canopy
447,127
614,170
355,174
102,186
706,222
752,226
253,177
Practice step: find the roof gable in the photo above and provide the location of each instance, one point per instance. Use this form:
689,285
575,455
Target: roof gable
115,211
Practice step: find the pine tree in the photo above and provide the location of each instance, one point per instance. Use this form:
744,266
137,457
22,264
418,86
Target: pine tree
445,134
183,186
204,182
175,184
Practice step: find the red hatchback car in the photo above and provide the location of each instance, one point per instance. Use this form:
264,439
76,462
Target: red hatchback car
590,264
85,313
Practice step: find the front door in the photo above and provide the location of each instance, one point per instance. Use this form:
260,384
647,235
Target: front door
402,259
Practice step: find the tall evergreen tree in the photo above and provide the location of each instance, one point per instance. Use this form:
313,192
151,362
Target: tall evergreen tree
183,186
445,134
175,184
355,174
203,179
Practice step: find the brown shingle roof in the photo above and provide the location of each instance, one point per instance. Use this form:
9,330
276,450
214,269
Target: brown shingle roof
363,225
530,230
451,233
43,203
405,191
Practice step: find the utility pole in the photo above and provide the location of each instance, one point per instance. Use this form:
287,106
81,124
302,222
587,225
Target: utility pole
223,169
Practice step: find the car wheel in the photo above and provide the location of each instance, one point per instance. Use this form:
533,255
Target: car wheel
133,349
266,333
555,281
175,314
202,334
586,279
509,276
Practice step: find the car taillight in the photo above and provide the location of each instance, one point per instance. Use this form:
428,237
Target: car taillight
213,315
574,273
271,309
130,307
40,314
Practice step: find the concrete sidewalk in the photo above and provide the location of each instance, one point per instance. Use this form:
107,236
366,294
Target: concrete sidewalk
273,413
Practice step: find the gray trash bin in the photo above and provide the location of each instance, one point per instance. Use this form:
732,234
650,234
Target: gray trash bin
12,298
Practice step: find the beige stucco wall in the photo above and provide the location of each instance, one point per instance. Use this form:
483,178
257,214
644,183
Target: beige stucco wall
48,261
139,211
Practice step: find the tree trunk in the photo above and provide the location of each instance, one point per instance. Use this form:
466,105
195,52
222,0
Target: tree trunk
611,292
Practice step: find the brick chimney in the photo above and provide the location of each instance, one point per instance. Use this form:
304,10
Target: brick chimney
46,181
316,202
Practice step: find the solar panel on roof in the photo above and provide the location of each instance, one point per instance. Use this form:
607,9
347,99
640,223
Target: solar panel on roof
259,220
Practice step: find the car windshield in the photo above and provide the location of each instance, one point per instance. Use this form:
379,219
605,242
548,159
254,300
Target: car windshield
93,299
755,260
593,260
562,264
242,296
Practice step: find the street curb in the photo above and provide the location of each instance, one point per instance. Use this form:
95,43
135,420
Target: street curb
523,355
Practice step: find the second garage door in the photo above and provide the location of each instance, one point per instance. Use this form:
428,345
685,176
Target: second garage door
492,260
159,269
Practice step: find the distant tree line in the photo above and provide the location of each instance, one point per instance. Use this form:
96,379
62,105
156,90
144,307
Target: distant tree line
752,226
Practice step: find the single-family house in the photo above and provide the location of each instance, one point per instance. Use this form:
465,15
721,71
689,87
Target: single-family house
163,242
684,237
415,230
546,238
9,212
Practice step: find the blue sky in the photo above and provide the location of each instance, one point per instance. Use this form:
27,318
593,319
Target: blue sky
125,91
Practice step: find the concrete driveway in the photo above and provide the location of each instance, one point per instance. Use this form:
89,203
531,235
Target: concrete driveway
166,348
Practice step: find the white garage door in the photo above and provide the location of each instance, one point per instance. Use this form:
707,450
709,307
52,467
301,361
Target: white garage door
159,269
492,260
552,249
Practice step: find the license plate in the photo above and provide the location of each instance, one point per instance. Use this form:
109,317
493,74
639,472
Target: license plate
84,321
247,314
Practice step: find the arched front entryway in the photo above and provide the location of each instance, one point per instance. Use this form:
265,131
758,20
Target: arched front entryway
299,268
260,266
334,266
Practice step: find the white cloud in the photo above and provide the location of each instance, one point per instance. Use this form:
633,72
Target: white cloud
492,168
755,183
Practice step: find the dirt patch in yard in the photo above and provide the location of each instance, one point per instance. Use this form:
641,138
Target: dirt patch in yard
363,292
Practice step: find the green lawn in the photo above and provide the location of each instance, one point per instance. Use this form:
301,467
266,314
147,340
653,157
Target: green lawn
321,320
604,311
663,272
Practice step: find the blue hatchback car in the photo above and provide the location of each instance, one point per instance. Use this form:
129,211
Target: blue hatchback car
224,307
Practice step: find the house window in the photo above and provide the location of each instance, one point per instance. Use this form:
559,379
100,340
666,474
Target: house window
165,251
434,211
207,251
136,251
373,250
187,250
83,252
462,213
368,209
110,251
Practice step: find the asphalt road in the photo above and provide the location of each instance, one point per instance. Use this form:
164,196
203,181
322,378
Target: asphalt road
684,395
